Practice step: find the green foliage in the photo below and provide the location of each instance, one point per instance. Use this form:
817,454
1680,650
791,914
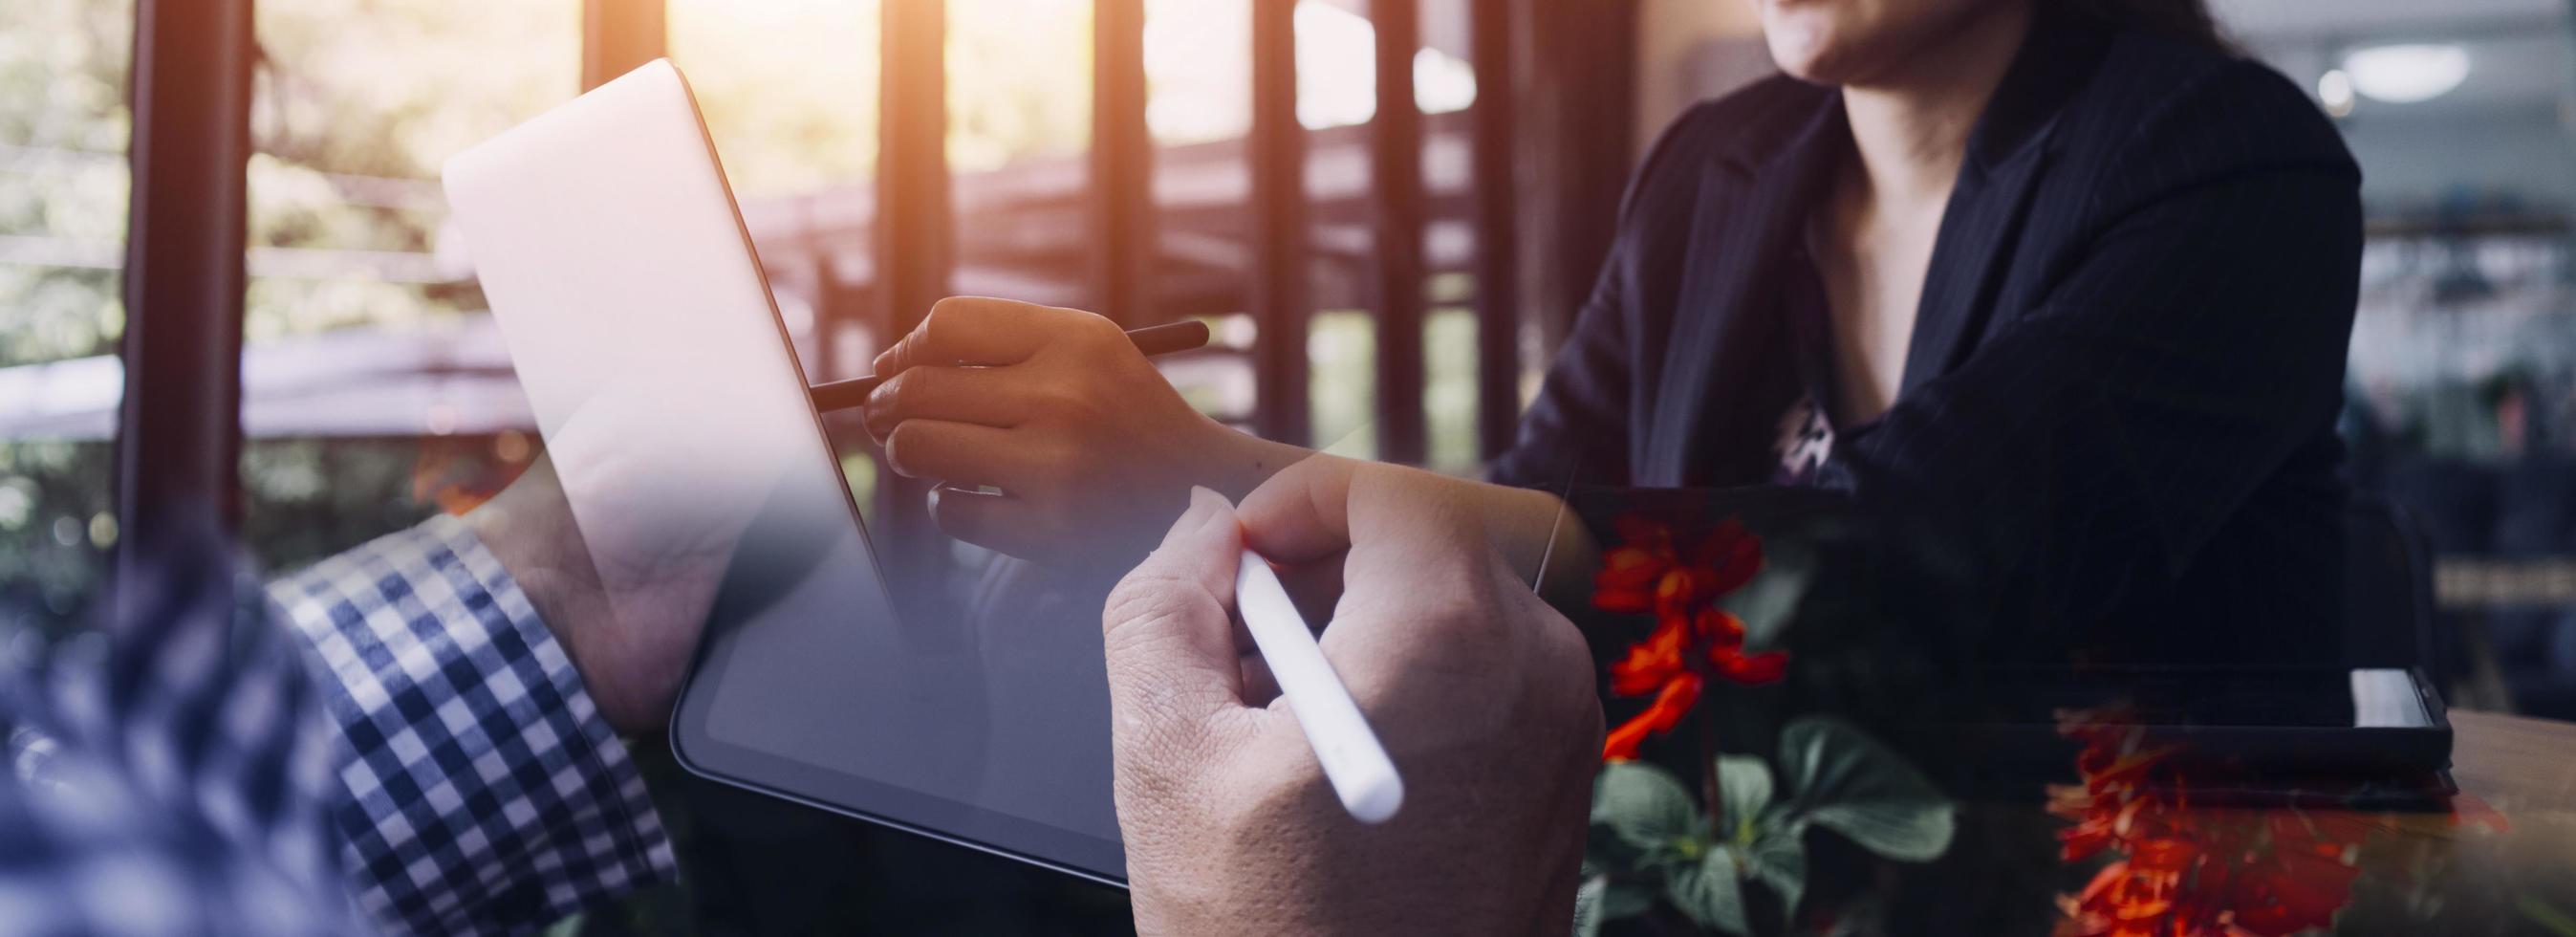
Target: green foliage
53,497
1711,891
63,127
1643,806
1648,836
1770,602
1743,789
1849,783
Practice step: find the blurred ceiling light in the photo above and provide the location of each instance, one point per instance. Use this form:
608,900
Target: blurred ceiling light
2405,74
2334,90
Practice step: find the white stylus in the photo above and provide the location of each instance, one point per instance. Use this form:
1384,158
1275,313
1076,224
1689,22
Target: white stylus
1353,760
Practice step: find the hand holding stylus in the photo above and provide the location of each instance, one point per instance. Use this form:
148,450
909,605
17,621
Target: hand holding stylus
1481,695
1094,450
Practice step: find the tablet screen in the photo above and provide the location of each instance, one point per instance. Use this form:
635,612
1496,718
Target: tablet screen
677,418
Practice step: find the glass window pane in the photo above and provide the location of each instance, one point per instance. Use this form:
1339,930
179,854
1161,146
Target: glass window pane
376,390
63,188
789,89
1019,82
1198,76
1019,130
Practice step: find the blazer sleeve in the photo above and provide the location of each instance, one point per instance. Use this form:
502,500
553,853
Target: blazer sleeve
1578,428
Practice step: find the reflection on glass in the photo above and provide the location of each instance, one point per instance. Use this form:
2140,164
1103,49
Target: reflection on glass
63,185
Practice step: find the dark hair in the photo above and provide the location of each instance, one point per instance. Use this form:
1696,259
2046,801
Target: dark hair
2187,20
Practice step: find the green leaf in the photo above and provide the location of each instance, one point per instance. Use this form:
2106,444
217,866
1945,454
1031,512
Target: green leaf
1770,600
1626,898
1604,850
1847,782
1744,788
2548,918
1587,906
1603,898
1643,805
1779,859
1711,892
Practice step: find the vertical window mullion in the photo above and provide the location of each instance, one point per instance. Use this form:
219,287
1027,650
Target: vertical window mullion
1395,145
1497,228
617,36
178,441
1279,237
1122,154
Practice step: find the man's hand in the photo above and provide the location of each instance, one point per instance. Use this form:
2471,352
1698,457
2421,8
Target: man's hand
1094,449
627,585
1482,694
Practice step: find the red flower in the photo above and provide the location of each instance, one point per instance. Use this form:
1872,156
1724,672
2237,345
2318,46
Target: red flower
2181,872
1694,641
1671,703
1647,572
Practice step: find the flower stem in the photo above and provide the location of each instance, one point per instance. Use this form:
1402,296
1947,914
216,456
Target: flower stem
1708,766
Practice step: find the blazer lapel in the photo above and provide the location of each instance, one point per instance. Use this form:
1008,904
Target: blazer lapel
1725,327
1974,248
2008,153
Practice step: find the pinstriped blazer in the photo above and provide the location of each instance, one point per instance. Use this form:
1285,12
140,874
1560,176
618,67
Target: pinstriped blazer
2118,404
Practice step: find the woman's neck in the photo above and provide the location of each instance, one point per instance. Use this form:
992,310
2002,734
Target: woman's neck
1910,121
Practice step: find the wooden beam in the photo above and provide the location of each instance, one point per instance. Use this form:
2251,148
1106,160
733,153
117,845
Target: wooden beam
1498,312
1121,164
1395,150
1280,241
618,36
1578,120
178,437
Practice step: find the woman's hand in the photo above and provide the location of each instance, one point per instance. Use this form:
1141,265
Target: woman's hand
1093,449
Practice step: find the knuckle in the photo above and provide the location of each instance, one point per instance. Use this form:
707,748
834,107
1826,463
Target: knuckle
946,318
1093,326
1151,599
898,389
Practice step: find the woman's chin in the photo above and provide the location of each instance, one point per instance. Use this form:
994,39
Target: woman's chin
1820,66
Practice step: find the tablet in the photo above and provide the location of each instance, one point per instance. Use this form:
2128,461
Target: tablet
677,415
2287,721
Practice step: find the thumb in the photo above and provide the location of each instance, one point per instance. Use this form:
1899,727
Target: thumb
1169,641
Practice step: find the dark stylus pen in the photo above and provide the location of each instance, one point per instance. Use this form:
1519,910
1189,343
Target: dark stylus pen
1153,340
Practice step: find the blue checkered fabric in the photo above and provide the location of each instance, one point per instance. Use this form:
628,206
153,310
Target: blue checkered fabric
413,754
482,791
171,779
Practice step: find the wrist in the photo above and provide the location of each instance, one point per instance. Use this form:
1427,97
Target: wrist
1243,461
529,528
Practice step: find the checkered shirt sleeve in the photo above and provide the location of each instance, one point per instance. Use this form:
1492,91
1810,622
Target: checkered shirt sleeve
484,793
167,773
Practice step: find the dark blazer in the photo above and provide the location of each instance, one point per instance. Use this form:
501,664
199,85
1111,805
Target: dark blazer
2118,407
